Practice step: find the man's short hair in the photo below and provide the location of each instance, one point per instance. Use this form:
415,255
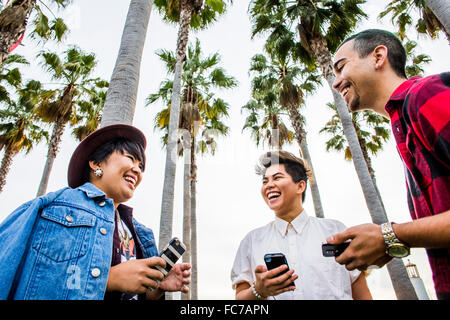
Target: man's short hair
366,41
294,166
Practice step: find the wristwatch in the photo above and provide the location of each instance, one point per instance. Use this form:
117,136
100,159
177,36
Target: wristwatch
394,247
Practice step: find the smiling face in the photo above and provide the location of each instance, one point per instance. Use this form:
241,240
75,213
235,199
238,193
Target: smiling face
355,79
122,173
281,193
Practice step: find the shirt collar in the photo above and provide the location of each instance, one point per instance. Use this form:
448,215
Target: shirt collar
400,93
125,212
298,223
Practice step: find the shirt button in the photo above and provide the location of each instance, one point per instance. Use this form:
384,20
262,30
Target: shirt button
102,203
69,218
103,231
95,272
118,250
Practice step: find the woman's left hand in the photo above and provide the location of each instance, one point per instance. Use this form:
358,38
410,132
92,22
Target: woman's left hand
177,279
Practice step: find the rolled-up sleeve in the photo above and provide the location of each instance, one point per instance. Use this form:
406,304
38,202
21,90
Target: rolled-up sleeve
242,269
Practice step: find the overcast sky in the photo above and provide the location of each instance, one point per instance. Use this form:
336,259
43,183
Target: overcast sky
229,201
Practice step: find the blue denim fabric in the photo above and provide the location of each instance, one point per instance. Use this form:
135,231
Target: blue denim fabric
59,246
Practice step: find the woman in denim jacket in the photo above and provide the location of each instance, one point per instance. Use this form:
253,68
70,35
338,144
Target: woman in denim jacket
81,242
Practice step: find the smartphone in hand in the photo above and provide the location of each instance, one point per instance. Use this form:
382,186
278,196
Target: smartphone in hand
333,250
274,260
171,253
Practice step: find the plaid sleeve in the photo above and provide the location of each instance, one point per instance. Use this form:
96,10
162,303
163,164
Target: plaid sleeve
431,122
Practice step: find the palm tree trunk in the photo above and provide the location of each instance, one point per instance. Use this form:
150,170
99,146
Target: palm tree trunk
120,101
403,287
396,268
441,9
6,165
318,209
275,141
13,22
53,148
194,274
187,201
368,160
300,136
166,220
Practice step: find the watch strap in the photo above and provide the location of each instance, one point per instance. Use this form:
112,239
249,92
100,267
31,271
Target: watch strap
393,243
388,234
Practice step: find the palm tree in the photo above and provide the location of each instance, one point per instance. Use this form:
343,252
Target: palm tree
90,111
322,26
57,106
270,128
14,19
200,116
372,130
120,101
196,14
18,128
441,9
200,138
434,16
370,141
414,62
10,76
281,78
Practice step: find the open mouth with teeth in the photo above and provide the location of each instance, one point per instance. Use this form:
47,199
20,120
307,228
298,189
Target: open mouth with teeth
344,91
273,196
131,180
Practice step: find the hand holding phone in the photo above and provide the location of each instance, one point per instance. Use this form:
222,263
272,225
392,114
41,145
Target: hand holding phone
274,260
171,253
334,250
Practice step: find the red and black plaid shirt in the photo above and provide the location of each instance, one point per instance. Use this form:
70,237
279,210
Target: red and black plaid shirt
420,116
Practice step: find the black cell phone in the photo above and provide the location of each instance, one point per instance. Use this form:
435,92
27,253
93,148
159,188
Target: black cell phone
274,260
333,250
171,253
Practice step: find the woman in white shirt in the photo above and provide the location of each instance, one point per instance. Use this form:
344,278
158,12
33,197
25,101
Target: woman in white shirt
299,237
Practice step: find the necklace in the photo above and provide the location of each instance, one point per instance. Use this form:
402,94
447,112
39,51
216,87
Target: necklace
124,239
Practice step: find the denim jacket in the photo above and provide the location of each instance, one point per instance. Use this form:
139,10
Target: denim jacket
59,246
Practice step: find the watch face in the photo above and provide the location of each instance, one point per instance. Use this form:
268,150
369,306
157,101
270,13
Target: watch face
398,250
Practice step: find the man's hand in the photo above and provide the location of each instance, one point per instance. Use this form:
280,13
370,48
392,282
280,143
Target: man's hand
268,283
135,276
367,247
177,278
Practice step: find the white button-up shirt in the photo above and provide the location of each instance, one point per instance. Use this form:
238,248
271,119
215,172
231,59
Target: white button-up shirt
301,242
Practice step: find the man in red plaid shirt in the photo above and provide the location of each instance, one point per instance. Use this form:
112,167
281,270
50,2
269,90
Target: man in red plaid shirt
370,74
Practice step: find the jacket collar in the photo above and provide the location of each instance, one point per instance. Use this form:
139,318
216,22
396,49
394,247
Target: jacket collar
91,191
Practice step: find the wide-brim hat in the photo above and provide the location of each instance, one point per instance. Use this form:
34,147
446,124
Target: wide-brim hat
80,156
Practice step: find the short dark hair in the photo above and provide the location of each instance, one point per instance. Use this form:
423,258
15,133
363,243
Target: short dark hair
105,150
294,166
366,41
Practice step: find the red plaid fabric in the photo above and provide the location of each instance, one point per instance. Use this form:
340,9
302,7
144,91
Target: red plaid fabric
420,117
